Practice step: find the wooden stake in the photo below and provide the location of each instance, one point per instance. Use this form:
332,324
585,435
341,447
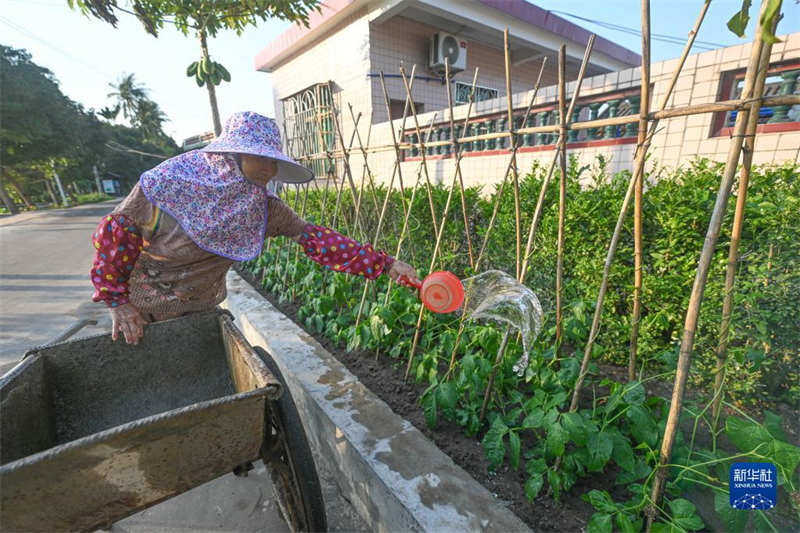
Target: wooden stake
444,216
422,150
757,68
748,147
639,162
638,190
562,189
513,141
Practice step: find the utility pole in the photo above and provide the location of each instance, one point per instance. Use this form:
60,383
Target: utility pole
60,188
97,179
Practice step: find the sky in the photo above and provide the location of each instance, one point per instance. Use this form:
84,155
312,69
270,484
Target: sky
87,54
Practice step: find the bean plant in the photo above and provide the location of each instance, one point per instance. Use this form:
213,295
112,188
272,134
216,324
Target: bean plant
618,427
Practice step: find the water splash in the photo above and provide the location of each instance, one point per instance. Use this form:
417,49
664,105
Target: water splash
497,296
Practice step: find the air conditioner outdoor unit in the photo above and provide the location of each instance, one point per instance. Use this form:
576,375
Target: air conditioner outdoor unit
444,45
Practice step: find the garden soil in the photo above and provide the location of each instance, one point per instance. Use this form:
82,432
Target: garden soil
570,512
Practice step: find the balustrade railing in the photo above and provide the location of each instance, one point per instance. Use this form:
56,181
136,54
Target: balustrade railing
487,126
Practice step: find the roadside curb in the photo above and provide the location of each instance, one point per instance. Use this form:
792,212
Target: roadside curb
395,478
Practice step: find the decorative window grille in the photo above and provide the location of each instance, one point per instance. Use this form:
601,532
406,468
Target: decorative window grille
309,127
481,93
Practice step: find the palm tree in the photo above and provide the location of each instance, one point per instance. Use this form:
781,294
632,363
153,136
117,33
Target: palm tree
128,94
149,119
109,113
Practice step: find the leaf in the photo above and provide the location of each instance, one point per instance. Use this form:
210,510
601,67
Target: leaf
691,523
643,427
493,443
732,519
738,23
746,435
554,479
446,395
600,500
767,21
534,419
599,523
575,425
634,393
625,524
556,440
536,466
600,446
622,452
429,407
786,457
661,527
682,508
533,486
514,448
773,423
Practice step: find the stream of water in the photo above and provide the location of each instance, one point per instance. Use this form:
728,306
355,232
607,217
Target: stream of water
497,296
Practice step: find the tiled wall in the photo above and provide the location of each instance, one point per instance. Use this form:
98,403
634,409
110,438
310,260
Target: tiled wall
342,57
677,141
402,41
356,48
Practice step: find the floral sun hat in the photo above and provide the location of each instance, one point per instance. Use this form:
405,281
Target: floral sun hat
215,204
250,133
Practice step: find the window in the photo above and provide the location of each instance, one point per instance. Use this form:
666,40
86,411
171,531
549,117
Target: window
309,127
481,93
397,106
781,80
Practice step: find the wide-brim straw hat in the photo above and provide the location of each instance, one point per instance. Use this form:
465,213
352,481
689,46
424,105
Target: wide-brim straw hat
250,133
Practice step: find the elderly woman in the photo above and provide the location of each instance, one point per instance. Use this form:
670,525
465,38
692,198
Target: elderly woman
165,250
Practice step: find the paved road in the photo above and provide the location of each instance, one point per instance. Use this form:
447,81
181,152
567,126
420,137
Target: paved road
44,288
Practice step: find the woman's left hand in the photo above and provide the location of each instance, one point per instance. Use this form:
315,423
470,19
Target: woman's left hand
407,272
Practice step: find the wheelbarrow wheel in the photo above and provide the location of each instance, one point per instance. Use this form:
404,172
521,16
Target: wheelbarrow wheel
289,461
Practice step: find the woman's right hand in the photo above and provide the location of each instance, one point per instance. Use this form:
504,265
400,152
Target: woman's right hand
127,320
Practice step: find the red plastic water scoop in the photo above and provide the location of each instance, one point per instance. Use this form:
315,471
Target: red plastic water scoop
441,292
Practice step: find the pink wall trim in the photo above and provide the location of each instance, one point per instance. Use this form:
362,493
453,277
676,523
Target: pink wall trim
288,38
521,10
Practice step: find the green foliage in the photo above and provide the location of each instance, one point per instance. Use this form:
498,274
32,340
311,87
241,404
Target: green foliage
42,129
618,430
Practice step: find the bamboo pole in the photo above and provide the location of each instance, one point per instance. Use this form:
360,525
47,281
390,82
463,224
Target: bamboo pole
638,191
366,170
340,189
444,218
757,69
358,226
407,214
641,154
458,155
422,149
748,146
562,190
391,182
513,141
523,270
540,201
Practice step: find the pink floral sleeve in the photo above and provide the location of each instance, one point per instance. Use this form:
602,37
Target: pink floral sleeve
342,254
117,243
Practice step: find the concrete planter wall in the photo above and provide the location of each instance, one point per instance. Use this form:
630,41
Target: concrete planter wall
396,478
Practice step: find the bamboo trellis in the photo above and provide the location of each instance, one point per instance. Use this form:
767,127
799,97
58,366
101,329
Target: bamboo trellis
646,121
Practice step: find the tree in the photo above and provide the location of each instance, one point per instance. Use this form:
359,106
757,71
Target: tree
41,129
204,18
127,93
37,124
149,119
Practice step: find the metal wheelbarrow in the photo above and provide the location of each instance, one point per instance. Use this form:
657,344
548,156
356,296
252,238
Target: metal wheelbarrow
92,430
